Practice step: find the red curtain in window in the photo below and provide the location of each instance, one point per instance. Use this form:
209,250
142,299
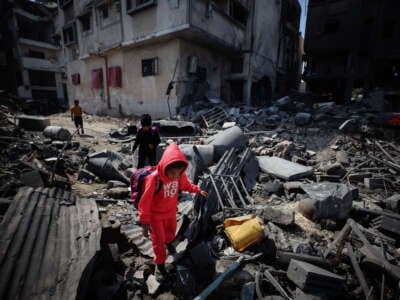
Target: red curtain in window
115,77
76,79
97,79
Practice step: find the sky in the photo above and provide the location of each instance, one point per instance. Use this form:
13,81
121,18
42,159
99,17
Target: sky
303,18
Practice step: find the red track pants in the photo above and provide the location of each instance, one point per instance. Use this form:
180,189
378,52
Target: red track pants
162,232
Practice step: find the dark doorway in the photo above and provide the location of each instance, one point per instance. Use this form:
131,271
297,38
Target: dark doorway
236,92
261,92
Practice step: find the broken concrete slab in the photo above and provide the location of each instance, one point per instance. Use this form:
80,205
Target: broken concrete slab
277,216
283,168
309,277
33,123
326,200
393,202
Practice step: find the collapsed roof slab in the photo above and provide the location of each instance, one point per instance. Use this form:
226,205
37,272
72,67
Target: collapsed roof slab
283,168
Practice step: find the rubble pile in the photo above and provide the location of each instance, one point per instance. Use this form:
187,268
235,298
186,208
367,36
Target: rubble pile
303,202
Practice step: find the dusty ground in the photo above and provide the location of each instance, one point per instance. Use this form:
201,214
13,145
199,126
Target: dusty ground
96,138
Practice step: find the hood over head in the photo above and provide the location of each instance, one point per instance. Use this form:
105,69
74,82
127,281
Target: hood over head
171,154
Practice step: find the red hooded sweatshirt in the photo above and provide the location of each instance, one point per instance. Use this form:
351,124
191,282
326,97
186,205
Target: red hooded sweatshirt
164,204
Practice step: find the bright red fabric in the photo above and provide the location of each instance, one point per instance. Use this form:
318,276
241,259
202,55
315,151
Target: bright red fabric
162,232
164,204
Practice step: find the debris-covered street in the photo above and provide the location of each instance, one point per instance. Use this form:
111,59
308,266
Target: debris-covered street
199,149
301,205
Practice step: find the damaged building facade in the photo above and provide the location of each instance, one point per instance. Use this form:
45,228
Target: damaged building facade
31,60
352,44
121,56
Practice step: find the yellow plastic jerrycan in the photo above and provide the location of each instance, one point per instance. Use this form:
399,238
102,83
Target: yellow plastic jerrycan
244,231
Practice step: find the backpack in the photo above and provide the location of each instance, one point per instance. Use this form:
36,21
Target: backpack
136,183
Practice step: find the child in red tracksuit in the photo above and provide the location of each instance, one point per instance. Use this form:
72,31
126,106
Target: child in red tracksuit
157,210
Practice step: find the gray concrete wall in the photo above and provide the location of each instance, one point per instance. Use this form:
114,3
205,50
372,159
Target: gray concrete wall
217,24
266,37
138,94
153,21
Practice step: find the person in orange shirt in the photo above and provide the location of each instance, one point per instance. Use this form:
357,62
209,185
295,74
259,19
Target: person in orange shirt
76,116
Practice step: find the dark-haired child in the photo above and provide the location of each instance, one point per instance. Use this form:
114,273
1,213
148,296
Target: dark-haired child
147,138
157,211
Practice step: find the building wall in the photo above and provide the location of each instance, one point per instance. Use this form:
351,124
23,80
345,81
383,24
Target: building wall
154,20
138,94
174,32
266,34
217,23
216,65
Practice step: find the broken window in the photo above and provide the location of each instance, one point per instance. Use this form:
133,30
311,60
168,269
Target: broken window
331,26
69,33
150,66
136,5
85,22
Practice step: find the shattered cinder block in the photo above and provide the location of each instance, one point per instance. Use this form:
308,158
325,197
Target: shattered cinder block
326,200
312,278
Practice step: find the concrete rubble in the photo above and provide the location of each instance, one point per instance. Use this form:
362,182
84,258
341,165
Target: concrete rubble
326,190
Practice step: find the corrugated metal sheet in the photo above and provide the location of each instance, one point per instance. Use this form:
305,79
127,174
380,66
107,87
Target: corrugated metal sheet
47,238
